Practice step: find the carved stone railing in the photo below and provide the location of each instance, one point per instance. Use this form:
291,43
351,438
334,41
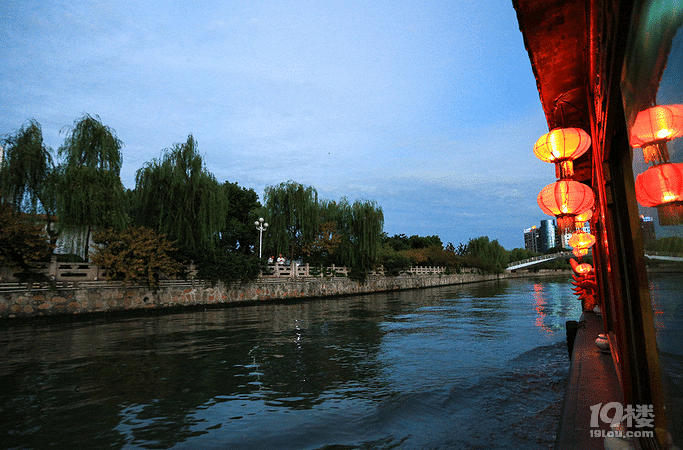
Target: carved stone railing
83,271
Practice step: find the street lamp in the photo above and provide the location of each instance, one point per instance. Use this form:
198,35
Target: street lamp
260,226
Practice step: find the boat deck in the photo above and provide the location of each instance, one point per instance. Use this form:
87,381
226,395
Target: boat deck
592,380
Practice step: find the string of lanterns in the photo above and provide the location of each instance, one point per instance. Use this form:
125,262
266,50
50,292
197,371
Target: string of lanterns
661,185
571,202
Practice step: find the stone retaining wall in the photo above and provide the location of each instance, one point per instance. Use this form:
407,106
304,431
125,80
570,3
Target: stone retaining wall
103,297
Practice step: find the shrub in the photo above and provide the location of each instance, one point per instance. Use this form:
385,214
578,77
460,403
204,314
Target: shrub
228,267
22,244
134,255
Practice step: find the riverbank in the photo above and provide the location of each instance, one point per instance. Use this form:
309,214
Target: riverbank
33,300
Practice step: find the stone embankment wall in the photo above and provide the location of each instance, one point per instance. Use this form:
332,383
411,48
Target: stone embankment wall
21,301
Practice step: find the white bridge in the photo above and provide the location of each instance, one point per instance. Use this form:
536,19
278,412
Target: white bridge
659,256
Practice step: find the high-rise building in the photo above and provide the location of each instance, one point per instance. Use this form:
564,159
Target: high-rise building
548,235
543,238
647,226
564,239
531,239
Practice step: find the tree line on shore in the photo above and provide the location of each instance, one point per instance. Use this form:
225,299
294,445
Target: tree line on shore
179,212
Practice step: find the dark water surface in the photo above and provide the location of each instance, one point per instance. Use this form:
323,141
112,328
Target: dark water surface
480,366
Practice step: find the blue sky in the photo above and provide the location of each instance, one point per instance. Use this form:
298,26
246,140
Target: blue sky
429,108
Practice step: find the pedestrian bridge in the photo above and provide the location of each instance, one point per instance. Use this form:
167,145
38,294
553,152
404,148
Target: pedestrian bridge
539,260
658,256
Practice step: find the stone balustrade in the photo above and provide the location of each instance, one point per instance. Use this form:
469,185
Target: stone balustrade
84,272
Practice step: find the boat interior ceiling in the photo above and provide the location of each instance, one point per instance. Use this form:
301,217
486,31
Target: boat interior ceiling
557,38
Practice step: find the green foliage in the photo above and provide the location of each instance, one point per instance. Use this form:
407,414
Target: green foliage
673,244
89,143
22,243
438,256
238,234
397,242
134,255
402,242
339,237
328,232
90,192
228,267
487,255
394,262
25,169
92,197
416,241
178,197
27,175
461,250
417,256
292,215
556,264
556,249
324,245
519,254
367,224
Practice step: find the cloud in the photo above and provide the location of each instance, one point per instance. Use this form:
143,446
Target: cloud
429,108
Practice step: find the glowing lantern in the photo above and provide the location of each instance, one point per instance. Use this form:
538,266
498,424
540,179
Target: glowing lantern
580,268
582,218
662,186
580,243
653,128
583,268
565,199
561,146
579,252
582,240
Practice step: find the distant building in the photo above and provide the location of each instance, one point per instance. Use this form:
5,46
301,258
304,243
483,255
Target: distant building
647,225
531,239
548,236
543,238
564,239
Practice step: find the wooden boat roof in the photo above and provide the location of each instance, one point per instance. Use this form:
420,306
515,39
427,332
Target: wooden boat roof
557,38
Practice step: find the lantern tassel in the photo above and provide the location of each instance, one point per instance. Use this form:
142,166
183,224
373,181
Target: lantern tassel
670,213
565,169
656,153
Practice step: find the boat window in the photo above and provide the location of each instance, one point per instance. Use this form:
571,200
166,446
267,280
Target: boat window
652,88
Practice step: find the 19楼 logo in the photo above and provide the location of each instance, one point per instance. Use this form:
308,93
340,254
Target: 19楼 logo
620,418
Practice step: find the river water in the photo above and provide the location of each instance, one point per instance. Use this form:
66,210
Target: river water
479,366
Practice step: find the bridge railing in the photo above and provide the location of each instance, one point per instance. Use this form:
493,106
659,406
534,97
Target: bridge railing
538,259
667,254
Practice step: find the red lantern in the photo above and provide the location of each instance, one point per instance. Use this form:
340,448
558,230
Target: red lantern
653,128
581,219
583,268
565,199
582,240
561,146
662,186
579,252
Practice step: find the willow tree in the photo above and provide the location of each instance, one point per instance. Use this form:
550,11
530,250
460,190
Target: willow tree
238,233
323,249
490,255
177,196
292,215
27,174
366,228
91,194
358,233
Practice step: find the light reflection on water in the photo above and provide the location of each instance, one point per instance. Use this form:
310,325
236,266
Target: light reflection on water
474,366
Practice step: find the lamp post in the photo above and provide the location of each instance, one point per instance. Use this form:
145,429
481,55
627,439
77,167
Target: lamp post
260,226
